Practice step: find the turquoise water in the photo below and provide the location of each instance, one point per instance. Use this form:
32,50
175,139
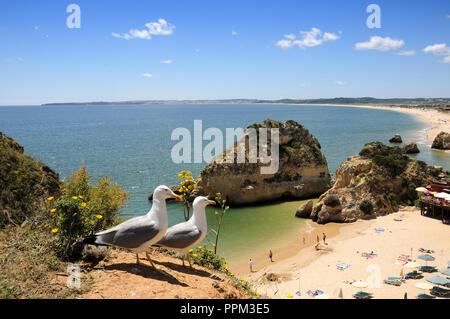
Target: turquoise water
131,144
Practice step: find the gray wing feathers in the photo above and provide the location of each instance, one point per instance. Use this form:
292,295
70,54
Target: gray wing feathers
180,236
130,234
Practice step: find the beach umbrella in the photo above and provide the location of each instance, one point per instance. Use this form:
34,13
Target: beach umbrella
426,257
441,195
429,186
341,294
424,285
360,284
401,273
445,271
412,265
438,280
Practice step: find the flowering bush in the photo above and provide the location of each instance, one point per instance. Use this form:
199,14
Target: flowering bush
187,186
84,210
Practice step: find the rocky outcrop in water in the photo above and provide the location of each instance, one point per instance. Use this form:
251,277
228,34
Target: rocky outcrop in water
396,139
410,148
442,141
302,173
375,182
304,211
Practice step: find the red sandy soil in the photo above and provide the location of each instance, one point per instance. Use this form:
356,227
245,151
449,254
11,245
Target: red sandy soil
120,277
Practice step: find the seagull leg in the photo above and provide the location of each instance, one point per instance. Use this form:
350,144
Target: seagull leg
187,256
137,258
182,259
150,260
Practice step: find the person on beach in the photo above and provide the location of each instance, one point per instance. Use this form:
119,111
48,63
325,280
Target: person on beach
318,239
304,241
250,263
324,238
270,255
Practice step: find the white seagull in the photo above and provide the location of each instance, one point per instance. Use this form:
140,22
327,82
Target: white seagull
182,237
139,233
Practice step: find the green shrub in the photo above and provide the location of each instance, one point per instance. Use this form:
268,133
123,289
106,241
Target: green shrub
84,209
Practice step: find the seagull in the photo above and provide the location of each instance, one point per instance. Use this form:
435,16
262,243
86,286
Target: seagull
139,233
182,237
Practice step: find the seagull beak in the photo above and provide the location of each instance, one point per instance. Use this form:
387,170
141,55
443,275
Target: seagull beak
211,202
177,197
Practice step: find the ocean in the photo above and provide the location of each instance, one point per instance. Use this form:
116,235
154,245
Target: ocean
132,145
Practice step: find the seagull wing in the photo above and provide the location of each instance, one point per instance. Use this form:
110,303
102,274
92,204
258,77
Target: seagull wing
132,233
181,236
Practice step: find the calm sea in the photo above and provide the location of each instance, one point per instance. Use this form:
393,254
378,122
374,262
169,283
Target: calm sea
132,145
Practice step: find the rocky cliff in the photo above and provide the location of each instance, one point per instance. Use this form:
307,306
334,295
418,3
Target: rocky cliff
302,173
373,183
25,183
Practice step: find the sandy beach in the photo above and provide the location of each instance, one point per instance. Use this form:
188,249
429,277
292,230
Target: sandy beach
439,121
312,269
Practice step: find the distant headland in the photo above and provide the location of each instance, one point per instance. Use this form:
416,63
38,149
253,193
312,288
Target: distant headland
443,102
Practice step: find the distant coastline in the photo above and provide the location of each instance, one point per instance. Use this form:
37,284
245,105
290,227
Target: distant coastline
369,101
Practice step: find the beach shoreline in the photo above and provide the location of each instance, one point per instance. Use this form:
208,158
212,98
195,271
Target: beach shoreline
439,121
403,232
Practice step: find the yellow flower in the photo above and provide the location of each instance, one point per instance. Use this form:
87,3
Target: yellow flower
83,204
195,255
79,196
227,207
52,210
190,250
180,175
256,293
225,267
46,225
74,197
50,198
226,262
210,250
188,173
54,230
232,274
99,216
289,295
199,247
91,222
241,279
182,183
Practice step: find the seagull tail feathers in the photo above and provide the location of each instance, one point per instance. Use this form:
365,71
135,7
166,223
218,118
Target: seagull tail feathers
94,240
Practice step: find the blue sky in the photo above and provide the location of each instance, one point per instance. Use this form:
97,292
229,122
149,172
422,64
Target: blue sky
222,49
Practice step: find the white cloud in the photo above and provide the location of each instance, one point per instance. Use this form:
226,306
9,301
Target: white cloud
406,53
380,44
147,75
234,32
36,28
340,83
154,28
160,28
311,38
168,61
439,49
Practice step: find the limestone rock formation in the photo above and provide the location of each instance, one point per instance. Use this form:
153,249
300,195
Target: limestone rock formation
442,141
396,139
302,173
375,182
304,211
410,148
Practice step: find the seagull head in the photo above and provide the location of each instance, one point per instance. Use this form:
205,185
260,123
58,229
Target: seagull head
163,192
201,202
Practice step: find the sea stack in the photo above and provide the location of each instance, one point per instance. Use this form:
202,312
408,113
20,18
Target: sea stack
442,141
375,182
396,139
303,170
